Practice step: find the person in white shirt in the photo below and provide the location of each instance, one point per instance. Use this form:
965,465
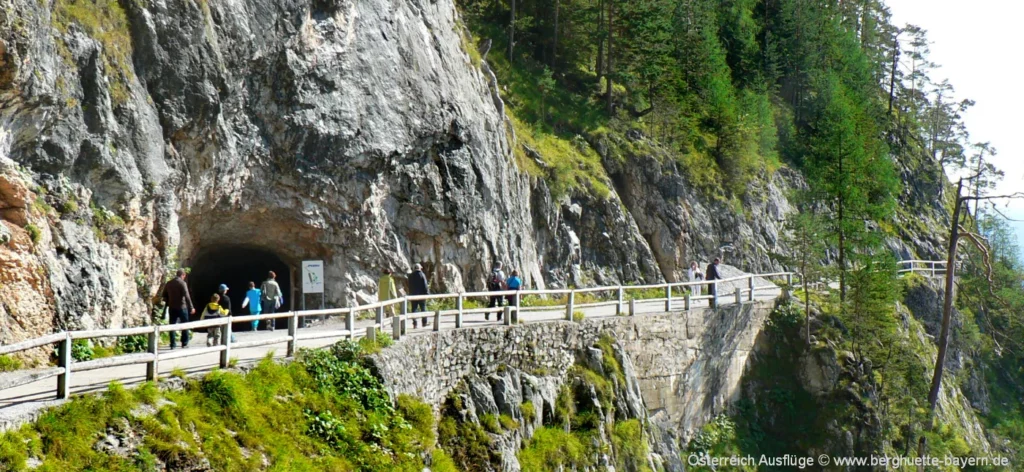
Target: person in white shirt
695,275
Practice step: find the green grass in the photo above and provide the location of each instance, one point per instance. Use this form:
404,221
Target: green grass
490,423
9,364
507,422
529,412
105,21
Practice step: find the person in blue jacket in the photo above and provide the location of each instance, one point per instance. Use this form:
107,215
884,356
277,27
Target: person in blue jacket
513,283
252,300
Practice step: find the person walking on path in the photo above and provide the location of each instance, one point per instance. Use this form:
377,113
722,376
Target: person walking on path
225,300
179,306
513,283
213,310
252,300
694,275
386,290
495,283
270,298
712,274
418,286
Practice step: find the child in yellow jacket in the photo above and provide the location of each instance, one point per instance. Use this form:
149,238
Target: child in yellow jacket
213,310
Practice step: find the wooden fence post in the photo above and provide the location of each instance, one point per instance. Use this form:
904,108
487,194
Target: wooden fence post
293,324
437,320
153,347
508,316
750,284
714,295
570,304
458,315
687,302
350,324
225,340
632,307
64,360
618,306
739,295
380,317
396,327
668,298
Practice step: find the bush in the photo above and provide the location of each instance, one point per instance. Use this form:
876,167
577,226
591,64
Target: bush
81,350
132,344
34,233
578,316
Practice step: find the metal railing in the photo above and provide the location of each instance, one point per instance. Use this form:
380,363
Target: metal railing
744,289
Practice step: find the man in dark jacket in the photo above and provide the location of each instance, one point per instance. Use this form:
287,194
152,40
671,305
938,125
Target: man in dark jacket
418,286
179,305
712,274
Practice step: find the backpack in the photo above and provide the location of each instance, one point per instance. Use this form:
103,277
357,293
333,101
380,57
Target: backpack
495,282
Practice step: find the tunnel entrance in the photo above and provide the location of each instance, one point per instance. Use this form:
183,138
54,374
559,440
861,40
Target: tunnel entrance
236,266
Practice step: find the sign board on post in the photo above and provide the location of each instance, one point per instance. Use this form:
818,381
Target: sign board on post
312,276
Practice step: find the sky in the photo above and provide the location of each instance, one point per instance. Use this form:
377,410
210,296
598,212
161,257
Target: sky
978,45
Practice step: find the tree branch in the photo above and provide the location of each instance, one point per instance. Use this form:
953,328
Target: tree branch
992,197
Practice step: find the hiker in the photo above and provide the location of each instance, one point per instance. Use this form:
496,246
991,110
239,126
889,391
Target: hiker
225,303
270,297
213,310
225,300
252,300
179,306
694,274
386,290
513,283
495,283
712,274
418,286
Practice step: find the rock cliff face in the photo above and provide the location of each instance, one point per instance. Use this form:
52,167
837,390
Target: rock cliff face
140,135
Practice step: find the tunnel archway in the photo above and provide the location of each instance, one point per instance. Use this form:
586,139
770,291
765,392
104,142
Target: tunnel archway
236,266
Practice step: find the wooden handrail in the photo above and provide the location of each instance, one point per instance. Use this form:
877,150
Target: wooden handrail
152,355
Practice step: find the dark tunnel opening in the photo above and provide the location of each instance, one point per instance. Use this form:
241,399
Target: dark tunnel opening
236,266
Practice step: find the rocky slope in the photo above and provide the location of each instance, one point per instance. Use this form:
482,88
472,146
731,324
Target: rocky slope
135,136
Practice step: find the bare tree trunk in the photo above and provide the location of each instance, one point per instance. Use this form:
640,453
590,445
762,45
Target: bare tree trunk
512,34
892,73
554,43
947,315
599,68
610,60
842,237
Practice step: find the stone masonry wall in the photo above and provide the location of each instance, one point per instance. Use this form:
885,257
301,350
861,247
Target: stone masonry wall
688,364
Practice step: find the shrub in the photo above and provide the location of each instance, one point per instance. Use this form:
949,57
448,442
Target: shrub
529,413
34,233
8,363
132,344
578,316
554,449
81,350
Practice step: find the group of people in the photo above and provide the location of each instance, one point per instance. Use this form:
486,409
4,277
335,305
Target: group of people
695,275
264,300
418,285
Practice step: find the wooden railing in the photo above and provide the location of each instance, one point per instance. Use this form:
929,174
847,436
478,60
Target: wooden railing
744,289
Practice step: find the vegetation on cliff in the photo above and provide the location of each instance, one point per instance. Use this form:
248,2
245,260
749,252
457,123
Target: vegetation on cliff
325,411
